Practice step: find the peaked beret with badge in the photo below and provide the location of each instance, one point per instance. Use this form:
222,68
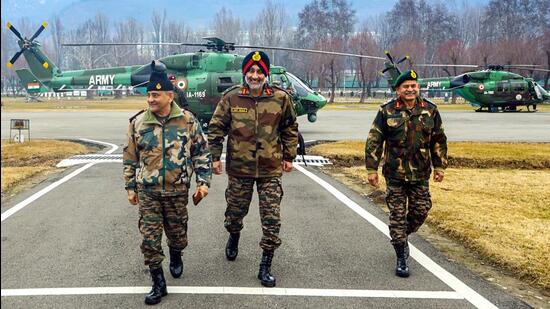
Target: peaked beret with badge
409,75
256,57
158,81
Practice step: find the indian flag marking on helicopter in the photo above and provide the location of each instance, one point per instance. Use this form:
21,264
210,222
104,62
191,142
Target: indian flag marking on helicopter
33,86
101,79
182,84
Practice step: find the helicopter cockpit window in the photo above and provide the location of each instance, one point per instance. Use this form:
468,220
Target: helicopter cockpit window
301,88
280,80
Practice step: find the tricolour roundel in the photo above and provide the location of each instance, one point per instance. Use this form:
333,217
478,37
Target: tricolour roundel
481,86
182,84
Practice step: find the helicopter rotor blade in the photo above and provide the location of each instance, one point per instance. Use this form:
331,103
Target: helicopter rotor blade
309,51
236,46
12,28
134,44
447,65
14,58
403,59
387,53
37,33
521,65
528,69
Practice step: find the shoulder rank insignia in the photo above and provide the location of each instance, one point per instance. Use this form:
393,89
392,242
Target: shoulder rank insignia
139,113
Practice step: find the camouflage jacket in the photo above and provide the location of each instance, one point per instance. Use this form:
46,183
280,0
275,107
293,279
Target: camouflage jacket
261,131
414,141
165,156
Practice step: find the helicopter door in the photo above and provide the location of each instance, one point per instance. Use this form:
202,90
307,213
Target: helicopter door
224,82
537,91
502,88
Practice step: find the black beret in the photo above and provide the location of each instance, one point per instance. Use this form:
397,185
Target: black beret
409,75
158,81
256,57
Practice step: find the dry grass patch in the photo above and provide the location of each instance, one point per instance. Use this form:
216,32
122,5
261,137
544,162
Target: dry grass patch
25,161
502,214
461,154
122,104
13,176
347,103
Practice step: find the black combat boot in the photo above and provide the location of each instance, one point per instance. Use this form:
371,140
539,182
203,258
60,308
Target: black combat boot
265,277
401,269
159,287
232,247
176,264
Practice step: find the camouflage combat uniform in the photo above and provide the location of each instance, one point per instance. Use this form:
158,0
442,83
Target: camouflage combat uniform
414,141
164,157
262,132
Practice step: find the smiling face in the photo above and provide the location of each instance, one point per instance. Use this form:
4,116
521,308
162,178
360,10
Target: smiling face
255,78
408,90
159,102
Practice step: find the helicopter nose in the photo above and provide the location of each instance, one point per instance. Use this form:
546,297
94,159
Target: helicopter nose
460,81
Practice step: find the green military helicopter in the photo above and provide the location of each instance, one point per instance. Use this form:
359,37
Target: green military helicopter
493,88
203,75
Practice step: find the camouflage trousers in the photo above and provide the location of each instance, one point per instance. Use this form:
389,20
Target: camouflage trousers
158,212
409,203
270,193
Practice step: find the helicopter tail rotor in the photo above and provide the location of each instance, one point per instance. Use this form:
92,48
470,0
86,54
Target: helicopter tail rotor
28,45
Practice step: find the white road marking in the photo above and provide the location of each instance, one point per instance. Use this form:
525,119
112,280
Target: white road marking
453,282
8,213
236,291
113,146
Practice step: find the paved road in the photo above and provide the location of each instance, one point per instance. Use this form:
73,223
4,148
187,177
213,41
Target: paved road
83,234
331,125
77,246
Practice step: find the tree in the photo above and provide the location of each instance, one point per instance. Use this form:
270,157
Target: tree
363,43
270,27
57,40
227,27
327,25
158,19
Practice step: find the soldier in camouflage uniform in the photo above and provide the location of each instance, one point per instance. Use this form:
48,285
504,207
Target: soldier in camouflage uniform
179,95
260,122
411,129
165,146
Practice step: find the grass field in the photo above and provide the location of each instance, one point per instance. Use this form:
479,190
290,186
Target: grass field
136,103
461,154
123,104
21,163
500,211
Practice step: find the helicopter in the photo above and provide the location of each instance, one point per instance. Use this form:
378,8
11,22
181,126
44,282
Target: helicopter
491,88
202,75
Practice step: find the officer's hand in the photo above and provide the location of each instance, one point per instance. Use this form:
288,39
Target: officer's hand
373,179
438,176
217,167
287,166
132,197
200,193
